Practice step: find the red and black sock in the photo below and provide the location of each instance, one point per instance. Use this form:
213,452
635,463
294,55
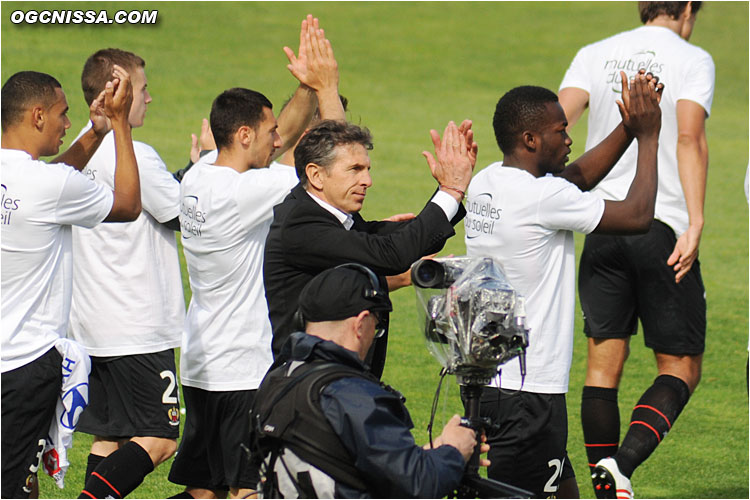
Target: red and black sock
91,465
119,474
652,418
600,418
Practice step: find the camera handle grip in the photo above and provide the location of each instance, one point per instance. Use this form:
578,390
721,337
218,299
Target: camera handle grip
472,484
471,396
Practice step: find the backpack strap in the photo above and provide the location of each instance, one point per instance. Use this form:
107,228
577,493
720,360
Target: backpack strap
287,413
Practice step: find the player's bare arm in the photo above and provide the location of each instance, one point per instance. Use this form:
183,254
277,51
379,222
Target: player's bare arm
692,164
588,170
81,151
574,102
118,96
642,118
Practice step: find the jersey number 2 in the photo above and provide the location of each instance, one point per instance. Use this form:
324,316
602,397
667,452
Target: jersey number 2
550,486
167,397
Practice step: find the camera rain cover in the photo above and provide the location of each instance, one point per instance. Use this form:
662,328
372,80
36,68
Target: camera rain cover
474,320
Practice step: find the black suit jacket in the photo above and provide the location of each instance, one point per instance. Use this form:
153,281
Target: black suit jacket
306,239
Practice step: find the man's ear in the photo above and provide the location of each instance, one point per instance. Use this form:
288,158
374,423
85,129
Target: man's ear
359,323
689,10
314,173
38,117
245,135
529,140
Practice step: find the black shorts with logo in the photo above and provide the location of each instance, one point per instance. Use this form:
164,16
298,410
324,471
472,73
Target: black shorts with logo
134,395
624,278
211,453
528,445
29,397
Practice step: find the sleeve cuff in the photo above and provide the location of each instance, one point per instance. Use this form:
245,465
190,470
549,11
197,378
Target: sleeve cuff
446,202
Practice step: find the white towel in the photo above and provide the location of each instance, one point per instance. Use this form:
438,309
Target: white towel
74,398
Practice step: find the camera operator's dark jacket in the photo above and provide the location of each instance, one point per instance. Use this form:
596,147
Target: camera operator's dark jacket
374,426
305,239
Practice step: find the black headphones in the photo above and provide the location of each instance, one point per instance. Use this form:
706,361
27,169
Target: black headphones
375,291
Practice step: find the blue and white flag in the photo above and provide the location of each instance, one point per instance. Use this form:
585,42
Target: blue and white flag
74,398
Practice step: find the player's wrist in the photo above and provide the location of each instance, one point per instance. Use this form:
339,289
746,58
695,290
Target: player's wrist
456,192
120,124
627,131
328,92
648,138
306,88
98,133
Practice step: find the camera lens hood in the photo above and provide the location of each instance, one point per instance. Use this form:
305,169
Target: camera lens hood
428,273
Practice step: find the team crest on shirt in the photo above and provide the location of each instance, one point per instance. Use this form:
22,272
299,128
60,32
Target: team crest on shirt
29,484
174,415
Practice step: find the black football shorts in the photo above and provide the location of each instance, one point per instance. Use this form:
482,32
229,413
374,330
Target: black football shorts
29,397
528,443
624,278
134,395
212,452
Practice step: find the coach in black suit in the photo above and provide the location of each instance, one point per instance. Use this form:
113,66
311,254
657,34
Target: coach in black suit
318,225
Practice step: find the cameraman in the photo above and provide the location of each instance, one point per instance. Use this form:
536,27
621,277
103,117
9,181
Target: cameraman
354,440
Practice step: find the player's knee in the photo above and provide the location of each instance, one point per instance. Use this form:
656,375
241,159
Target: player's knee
242,493
167,448
604,375
686,368
695,378
606,360
205,493
159,449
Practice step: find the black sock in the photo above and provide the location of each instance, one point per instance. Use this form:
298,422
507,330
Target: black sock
600,418
119,474
652,418
91,464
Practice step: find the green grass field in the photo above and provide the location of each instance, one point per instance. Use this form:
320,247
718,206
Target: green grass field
408,67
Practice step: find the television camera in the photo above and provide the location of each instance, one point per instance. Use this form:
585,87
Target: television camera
474,321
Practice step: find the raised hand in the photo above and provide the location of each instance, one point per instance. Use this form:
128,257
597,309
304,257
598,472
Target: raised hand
455,160
639,107
298,65
99,121
316,65
658,87
465,129
118,95
206,141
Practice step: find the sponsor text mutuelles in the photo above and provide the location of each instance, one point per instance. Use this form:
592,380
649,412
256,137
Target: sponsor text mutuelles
191,217
481,215
83,17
